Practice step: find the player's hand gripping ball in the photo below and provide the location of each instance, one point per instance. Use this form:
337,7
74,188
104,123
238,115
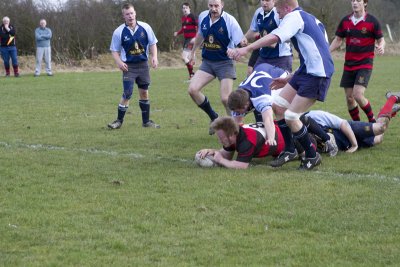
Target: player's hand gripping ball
206,162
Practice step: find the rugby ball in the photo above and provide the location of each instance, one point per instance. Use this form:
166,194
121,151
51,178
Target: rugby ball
206,162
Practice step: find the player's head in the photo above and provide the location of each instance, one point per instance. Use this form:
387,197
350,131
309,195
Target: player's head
284,7
128,13
185,9
215,7
359,5
226,130
267,5
239,101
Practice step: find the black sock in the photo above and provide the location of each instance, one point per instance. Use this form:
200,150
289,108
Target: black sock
287,135
314,128
145,108
206,107
258,116
304,139
121,112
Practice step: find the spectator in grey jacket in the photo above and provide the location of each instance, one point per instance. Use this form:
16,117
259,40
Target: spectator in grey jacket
43,36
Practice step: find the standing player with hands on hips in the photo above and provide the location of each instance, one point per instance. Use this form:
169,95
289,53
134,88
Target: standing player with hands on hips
130,46
310,82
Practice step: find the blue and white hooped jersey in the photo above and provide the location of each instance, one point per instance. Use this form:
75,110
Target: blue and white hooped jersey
133,46
264,24
219,36
310,39
257,84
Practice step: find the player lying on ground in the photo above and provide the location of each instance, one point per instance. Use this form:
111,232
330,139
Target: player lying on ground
350,135
248,140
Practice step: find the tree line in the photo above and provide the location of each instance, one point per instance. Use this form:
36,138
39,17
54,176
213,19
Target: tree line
83,28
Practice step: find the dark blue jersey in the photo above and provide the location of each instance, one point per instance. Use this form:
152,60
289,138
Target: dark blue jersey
219,36
264,24
133,45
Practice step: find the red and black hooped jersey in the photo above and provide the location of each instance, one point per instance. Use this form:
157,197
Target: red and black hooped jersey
360,41
189,26
250,143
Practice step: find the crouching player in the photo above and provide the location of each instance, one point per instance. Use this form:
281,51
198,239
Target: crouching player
249,141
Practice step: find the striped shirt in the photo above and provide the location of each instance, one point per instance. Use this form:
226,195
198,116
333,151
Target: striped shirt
360,41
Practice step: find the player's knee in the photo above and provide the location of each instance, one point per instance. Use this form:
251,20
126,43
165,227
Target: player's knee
280,105
292,116
224,100
378,139
193,90
381,128
128,89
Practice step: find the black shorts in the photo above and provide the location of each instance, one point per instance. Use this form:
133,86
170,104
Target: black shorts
187,45
355,77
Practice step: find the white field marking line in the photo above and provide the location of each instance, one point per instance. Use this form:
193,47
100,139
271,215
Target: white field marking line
138,156
359,176
86,150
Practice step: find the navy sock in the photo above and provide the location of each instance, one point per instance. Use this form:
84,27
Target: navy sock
121,112
145,108
206,107
287,135
258,116
314,128
303,138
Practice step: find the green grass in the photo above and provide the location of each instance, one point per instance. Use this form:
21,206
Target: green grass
73,193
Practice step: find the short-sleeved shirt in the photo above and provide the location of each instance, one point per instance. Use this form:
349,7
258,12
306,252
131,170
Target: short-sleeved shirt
360,40
250,143
133,46
264,24
224,33
309,38
258,87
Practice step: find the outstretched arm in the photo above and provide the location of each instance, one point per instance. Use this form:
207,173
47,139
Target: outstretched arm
219,157
267,40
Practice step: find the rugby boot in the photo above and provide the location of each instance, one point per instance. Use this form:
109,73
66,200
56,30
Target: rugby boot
395,94
331,146
284,157
115,124
310,163
151,124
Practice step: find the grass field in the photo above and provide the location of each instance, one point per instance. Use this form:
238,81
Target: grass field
73,193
